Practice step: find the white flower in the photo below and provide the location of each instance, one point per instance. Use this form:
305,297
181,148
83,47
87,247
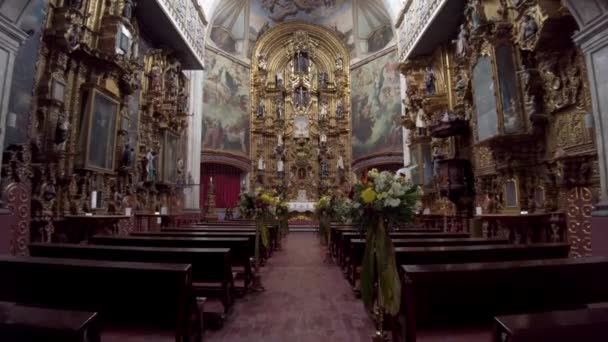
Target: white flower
392,202
397,189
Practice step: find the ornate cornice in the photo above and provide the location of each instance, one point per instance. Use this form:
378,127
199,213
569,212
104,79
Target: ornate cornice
378,159
219,157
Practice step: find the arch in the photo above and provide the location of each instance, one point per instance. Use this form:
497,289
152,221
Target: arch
216,157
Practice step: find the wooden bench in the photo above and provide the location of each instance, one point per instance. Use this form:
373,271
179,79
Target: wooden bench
148,300
240,249
357,249
589,325
20,323
272,230
473,293
344,247
211,267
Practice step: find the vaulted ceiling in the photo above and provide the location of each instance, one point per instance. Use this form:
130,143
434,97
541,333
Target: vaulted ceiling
365,26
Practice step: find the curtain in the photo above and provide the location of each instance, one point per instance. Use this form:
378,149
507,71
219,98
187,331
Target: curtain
227,182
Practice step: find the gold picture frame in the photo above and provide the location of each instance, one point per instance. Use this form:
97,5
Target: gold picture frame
101,125
170,157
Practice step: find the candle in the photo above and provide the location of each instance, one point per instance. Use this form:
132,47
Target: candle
93,199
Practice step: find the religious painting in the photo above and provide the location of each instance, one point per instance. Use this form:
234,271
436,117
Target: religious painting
225,104
300,126
485,99
379,39
376,107
101,134
24,73
337,15
511,107
170,157
511,194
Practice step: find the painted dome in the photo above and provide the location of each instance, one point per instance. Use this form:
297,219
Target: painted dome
363,25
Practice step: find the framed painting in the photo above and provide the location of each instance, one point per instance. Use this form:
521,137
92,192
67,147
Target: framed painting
102,116
485,98
170,157
510,103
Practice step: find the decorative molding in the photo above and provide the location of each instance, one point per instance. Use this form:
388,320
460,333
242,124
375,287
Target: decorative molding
190,21
416,19
378,159
373,56
218,157
244,63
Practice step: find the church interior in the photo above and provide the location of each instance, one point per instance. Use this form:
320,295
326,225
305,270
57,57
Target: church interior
303,170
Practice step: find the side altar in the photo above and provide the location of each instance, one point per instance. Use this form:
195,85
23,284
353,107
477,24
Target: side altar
300,114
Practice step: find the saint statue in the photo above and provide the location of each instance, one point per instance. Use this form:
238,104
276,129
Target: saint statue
280,166
529,28
323,112
323,139
429,81
279,110
421,122
340,109
150,168
61,132
475,11
262,63
340,163
156,81
261,164
339,64
462,42
278,78
126,160
323,80
260,110
279,139
302,61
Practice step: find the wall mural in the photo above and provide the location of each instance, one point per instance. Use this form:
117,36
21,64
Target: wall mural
376,107
364,26
226,101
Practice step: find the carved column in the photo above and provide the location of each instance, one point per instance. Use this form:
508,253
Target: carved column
195,121
592,37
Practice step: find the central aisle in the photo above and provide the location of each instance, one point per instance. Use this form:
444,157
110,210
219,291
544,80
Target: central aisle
305,300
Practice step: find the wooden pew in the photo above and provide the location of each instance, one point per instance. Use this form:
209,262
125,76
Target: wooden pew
211,267
482,253
589,325
357,249
20,323
344,247
457,294
240,249
273,232
155,300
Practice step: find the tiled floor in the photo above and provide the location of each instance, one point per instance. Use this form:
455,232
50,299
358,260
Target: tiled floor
305,300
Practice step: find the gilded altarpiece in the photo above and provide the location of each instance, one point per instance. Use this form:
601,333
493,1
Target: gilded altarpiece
300,112
518,85
104,103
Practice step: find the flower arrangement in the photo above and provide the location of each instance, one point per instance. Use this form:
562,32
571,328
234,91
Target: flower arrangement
377,205
282,213
260,206
323,212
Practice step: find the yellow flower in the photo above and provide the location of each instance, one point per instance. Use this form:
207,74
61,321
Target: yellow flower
368,195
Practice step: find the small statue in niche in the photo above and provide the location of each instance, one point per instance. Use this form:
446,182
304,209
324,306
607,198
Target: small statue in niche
260,110
302,61
180,169
61,132
324,111
462,43
127,156
156,80
323,80
150,166
182,101
421,122
475,11
73,36
279,110
262,63
429,81
280,166
50,193
340,110
340,163
279,139
323,140
261,164
529,28
324,169
339,64
172,75
127,9
278,78
290,66
302,97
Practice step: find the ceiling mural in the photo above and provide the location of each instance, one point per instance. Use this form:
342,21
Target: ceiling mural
363,25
